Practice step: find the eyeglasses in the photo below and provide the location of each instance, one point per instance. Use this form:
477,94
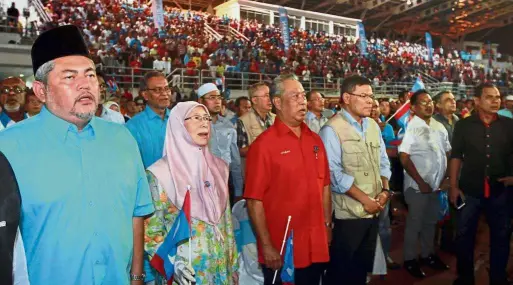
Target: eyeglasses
214,98
364,96
318,100
199,119
426,103
15,89
160,89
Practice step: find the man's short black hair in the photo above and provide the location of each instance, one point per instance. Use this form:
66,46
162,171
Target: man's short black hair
350,83
415,96
237,101
310,93
478,91
439,95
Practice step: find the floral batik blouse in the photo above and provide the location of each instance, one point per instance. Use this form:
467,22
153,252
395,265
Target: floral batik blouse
214,254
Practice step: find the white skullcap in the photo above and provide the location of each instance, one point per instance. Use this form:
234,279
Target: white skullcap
509,98
206,88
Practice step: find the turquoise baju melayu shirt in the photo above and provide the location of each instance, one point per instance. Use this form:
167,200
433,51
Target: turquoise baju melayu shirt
79,191
149,130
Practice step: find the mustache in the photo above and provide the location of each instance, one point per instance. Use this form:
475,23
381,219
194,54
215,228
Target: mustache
85,95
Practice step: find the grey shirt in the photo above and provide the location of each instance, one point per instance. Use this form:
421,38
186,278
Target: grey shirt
443,120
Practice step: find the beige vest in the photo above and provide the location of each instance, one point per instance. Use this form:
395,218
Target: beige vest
253,130
360,159
252,125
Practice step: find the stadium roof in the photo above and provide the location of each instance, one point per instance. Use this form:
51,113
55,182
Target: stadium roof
453,18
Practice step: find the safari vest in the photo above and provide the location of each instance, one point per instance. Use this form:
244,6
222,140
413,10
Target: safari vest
252,125
360,159
253,130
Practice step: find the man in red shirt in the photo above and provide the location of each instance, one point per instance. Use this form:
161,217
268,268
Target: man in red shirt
287,174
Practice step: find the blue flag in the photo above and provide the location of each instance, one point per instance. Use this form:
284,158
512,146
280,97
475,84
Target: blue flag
164,259
287,271
284,23
363,39
429,45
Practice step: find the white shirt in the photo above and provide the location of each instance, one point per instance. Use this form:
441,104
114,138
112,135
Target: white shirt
112,116
19,262
427,147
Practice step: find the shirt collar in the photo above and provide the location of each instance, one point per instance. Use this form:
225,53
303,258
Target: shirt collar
60,128
258,116
152,115
353,122
284,129
311,115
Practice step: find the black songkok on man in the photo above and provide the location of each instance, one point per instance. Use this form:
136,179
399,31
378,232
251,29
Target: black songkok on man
59,42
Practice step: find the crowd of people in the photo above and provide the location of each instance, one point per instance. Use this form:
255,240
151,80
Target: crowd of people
141,191
122,35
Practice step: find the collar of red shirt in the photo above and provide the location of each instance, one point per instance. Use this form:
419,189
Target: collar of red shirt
494,118
284,129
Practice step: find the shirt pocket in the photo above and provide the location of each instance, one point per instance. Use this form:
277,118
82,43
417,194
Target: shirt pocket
353,155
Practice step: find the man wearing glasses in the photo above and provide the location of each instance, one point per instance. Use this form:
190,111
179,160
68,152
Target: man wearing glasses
315,118
359,170
12,99
149,126
424,155
223,138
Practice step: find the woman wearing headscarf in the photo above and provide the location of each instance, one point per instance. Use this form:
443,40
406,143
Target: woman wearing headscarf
187,163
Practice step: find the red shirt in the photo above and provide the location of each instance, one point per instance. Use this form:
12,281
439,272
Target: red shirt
288,175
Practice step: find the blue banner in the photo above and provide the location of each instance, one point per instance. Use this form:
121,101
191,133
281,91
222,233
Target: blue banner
158,13
363,39
429,45
284,23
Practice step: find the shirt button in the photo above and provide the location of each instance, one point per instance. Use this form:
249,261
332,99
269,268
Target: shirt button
487,136
487,166
97,262
95,234
487,145
487,155
91,203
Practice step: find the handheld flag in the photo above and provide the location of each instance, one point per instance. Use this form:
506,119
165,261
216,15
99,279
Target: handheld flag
163,261
287,271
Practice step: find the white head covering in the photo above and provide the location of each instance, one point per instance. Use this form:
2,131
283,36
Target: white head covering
206,88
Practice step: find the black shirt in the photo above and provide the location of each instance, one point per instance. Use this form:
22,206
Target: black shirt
485,151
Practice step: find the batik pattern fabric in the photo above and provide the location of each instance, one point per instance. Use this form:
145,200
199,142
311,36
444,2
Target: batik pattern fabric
214,254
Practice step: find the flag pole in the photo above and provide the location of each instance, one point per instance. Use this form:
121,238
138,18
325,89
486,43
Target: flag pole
283,245
190,234
398,110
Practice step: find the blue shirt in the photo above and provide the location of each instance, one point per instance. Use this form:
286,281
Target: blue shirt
505,113
80,191
149,130
388,134
223,144
341,182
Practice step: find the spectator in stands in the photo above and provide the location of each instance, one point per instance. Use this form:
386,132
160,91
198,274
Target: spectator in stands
468,109
102,111
314,118
140,103
86,154
149,126
256,121
484,184
13,14
188,164
32,104
357,197
403,97
223,138
424,153
12,100
299,172
242,107
508,107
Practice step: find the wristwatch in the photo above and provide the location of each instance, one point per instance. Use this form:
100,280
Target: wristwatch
134,277
390,193
329,225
